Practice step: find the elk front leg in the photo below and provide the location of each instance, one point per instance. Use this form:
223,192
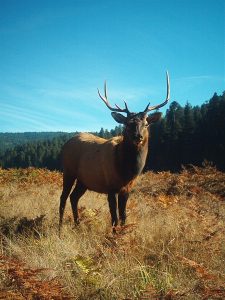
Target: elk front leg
122,202
113,208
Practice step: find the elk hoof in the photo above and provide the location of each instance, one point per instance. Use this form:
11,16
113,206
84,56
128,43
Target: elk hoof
76,222
122,223
114,231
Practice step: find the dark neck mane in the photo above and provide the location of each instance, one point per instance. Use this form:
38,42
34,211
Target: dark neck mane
130,159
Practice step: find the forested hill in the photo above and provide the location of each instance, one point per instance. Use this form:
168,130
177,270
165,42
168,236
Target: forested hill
186,135
38,149
10,140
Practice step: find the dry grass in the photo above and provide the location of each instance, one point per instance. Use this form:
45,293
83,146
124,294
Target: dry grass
172,248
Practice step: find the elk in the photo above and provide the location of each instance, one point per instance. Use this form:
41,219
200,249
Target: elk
108,166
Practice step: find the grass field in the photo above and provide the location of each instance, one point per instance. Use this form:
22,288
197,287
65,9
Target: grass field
173,246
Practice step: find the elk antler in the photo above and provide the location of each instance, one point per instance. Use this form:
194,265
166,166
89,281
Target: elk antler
167,97
106,101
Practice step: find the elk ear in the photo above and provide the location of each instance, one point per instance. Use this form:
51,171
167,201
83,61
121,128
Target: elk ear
119,118
154,117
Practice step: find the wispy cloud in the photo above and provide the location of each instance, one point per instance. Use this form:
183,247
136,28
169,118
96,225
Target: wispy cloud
198,77
44,118
22,118
195,79
195,88
51,104
47,104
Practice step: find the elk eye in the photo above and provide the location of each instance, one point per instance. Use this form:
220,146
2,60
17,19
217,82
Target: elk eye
146,125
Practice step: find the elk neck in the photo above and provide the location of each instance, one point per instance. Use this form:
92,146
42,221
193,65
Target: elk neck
130,158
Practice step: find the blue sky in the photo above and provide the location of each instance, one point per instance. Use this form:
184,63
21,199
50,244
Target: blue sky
55,54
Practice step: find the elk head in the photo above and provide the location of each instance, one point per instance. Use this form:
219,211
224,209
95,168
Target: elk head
135,124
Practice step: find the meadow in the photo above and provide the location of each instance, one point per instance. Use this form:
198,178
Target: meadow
173,246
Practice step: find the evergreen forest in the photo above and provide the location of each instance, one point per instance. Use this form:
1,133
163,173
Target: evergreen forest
185,135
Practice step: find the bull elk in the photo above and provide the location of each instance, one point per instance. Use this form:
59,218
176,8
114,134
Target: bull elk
108,166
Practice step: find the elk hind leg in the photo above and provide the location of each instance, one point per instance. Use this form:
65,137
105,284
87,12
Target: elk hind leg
77,193
68,182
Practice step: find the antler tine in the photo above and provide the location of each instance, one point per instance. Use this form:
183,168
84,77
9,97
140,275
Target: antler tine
105,90
167,96
146,109
126,107
106,101
118,106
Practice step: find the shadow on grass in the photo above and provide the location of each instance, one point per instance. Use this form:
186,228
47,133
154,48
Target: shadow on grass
23,226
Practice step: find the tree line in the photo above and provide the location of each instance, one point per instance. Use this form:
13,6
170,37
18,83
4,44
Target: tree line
41,150
10,140
189,135
186,135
